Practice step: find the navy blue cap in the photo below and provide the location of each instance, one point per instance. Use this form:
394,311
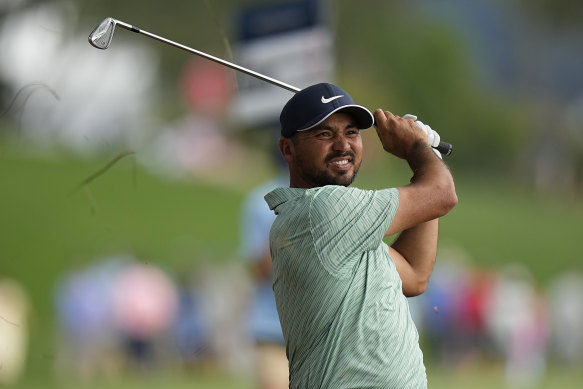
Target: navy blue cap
314,104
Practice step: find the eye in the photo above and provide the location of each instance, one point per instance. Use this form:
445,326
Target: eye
323,134
352,131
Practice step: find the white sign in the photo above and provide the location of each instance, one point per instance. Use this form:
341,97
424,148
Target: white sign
299,58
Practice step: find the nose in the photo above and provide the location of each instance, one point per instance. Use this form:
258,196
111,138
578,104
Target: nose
341,143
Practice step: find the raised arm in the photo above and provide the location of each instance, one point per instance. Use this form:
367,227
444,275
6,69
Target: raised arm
430,195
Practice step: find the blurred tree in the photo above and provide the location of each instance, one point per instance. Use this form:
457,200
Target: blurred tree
559,11
415,63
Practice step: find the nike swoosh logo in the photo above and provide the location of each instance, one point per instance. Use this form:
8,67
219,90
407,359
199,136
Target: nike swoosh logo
325,101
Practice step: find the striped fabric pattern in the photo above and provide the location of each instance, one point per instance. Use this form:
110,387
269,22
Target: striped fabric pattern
345,320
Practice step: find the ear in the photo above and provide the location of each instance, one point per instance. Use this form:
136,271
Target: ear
286,147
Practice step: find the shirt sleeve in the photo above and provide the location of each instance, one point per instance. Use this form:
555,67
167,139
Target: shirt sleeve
346,222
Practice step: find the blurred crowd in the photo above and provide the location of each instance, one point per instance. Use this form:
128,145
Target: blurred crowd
119,314
472,315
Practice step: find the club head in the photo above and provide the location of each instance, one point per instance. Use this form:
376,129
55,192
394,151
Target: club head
102,35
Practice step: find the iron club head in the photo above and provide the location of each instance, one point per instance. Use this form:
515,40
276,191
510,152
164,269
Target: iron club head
102,35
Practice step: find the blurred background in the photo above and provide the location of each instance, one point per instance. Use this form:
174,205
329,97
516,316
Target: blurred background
127,178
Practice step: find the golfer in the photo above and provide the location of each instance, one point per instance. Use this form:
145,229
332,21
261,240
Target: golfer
340,290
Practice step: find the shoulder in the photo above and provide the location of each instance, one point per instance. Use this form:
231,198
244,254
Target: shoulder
342,197
334,192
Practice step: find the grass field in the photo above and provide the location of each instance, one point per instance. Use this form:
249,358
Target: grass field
48,226
480,376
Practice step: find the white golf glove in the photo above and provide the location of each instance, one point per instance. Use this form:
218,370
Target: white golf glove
433,137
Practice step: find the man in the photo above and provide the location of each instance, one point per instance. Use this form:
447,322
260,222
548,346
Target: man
340,290
271,366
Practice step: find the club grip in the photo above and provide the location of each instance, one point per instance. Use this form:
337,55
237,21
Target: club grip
445,148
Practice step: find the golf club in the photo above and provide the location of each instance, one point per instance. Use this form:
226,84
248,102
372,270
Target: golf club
102,35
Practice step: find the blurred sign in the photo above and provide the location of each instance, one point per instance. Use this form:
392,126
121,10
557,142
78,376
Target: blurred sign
206,87
289,42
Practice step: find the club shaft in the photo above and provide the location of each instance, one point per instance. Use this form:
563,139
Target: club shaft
211,57
443,147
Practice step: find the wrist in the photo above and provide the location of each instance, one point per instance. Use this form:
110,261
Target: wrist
420,155
417,150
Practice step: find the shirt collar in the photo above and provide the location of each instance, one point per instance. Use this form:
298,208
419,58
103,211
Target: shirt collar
279,196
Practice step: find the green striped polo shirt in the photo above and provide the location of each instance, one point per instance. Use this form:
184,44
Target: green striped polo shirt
345,320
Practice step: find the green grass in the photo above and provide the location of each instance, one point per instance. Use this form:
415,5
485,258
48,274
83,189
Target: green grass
48,227
487,375
474,376
499,223
153,380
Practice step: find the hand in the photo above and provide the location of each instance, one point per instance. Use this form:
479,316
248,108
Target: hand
398,136
433,137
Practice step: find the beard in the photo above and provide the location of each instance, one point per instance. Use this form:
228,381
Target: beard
323,177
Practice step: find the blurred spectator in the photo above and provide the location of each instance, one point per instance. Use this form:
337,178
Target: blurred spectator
474,302
443,301
566,316
263,320
145,304
87,335
14,312
224,290
191,329
198,144
517,320
111,312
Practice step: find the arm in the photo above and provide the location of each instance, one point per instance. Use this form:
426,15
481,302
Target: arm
430,195
414,254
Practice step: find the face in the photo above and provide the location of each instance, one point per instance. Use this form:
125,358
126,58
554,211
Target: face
329,154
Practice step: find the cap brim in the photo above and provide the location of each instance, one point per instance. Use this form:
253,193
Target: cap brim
364,118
